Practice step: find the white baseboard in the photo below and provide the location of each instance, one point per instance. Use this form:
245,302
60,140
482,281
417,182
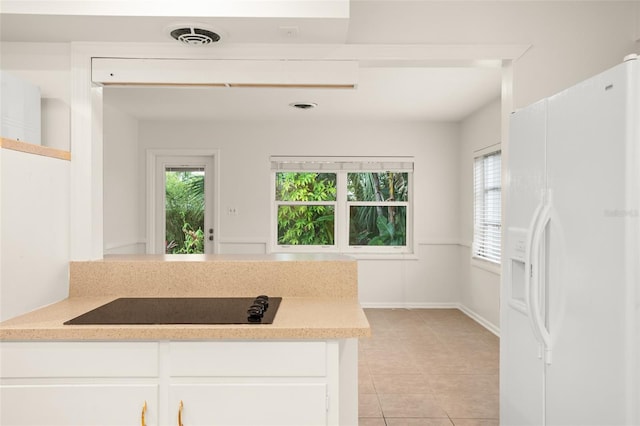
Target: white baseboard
480,320
400,305
468,312
125,248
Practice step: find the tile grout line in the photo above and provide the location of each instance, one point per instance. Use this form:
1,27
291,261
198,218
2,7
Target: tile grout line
461,343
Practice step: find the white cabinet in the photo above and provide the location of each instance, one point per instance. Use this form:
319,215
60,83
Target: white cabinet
19,109
249,383
209,383
237,403
248,359
78,383
81,404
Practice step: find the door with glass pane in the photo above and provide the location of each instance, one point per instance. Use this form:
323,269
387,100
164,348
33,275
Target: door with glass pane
183,205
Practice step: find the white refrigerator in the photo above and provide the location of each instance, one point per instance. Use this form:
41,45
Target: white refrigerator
570,302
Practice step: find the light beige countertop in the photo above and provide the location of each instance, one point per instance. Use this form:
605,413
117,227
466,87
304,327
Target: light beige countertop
319,297
297,318
299,275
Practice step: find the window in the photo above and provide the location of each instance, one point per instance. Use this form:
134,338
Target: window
487,207
342,205
306,204
377,204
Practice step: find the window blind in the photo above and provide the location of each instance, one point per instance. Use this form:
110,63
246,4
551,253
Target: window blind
315,164
487,190
190,169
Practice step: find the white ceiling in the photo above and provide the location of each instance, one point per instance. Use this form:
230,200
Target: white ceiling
153,29
424,94
384,92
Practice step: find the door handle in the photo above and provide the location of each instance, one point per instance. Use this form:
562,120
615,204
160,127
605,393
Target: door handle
534,289
529,272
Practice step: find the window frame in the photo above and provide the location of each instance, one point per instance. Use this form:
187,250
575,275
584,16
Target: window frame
342,166
481,238
278,203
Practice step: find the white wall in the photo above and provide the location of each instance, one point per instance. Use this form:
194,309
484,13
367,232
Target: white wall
47,65
34,226
479,287
570,40
122,201
430,279
34,198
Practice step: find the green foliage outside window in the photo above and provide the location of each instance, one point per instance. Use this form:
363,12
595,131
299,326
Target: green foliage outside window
184,212
379,225
300,224
377,208
371,226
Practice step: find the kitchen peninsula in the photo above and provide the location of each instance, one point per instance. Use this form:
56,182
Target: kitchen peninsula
299,370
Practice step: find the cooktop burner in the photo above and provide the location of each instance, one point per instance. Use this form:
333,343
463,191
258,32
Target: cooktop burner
182,310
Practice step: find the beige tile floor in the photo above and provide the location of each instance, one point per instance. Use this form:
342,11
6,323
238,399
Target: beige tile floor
431,367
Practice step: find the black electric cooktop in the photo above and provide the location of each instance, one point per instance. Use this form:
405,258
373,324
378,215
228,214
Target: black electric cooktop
182,310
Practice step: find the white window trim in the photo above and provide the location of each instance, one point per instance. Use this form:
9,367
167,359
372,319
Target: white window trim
481,261
150,184
495,268
341,166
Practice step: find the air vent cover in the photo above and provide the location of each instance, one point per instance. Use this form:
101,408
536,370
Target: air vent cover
194,36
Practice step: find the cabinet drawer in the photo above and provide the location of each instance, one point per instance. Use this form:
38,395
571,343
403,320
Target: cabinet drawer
78,359
271,404
78,405
248,359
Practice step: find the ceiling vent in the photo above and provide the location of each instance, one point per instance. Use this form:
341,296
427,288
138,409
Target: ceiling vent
194,35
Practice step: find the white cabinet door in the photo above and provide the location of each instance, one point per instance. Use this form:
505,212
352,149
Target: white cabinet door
234,404
78,383
78,405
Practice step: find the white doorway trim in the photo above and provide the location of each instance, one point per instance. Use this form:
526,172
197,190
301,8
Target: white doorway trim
151,189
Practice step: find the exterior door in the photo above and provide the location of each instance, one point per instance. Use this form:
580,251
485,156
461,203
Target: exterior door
183,210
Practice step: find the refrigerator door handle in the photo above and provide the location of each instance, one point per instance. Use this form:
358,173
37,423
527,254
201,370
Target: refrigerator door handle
529,272
534,288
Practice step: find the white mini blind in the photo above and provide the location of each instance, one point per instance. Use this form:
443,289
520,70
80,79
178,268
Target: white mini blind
331,164
487,188
190,169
